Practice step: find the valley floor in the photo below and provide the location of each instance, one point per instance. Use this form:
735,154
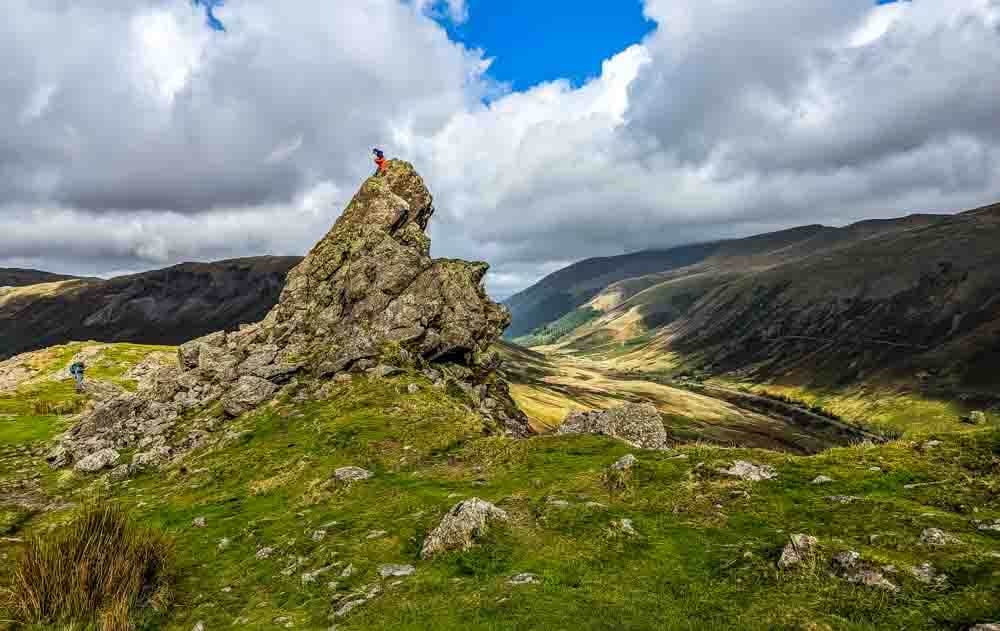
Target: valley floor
267,540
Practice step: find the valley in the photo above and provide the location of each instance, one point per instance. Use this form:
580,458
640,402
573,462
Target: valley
371,455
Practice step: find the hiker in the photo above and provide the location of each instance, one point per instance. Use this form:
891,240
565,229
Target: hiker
77,371
379,161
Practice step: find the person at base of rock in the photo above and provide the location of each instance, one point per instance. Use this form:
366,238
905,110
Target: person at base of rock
379,161
77,371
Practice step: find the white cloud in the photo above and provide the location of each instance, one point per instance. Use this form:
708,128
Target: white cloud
132,136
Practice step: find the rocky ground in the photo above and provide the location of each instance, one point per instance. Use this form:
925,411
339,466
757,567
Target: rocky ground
344,509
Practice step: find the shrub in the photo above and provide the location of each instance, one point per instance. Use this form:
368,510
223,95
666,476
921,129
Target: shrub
101,570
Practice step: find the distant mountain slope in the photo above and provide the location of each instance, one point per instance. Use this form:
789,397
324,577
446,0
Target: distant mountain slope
570,287
167,306
899,297
922,298
14,277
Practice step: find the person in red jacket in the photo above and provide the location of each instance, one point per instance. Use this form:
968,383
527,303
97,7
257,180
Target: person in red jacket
379,161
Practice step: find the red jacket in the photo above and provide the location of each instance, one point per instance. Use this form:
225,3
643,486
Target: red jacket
380,163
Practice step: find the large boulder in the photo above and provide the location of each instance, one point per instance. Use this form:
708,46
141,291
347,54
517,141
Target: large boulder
638,424
459,529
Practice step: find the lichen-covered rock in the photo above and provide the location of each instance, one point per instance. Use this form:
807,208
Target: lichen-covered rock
748,471
97,461
624,463
461,526
351,474
249,392
638,424
938,537
367,295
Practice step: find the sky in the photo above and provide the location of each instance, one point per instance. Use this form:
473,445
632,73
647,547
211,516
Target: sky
136,134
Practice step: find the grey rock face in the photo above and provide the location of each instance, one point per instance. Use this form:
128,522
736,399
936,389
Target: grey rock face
367,296
638,424
460,527
249,392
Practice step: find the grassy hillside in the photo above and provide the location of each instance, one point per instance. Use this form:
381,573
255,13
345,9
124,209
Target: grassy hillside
565,290
906,302
167,306
278,544
16,277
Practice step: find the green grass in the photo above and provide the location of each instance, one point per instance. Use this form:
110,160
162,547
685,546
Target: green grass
908,413
554,331
704,556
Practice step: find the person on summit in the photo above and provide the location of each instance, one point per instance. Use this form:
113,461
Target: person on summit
379,161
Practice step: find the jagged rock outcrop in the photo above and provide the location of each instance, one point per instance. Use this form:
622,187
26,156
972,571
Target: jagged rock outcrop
368,294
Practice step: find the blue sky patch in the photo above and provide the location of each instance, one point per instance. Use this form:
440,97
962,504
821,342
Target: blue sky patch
535,41
213,22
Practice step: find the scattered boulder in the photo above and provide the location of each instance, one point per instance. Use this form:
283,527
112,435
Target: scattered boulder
872,578
938,537
927,574
351,474
822,479
638,424
976,417
199,522
358,598
624,463
98,460
748,471
799,549
264,553
461,526
849,566
985,527
623,527
986,626
388,570
842,499
524,578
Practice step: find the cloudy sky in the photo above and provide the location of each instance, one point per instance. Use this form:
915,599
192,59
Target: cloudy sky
135,134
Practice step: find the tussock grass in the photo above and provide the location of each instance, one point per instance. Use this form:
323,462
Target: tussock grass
100,570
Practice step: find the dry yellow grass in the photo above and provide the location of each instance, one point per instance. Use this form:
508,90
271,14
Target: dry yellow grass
98,571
